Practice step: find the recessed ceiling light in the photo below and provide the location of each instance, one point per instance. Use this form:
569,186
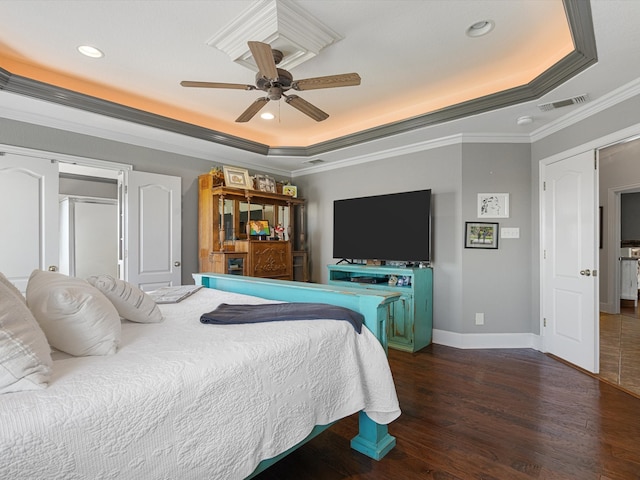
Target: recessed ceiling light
481,28
267,116
525,120
90,51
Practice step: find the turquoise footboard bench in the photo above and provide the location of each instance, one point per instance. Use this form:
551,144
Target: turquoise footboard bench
373,439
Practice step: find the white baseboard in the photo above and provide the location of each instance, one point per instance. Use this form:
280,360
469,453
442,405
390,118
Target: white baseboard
487,340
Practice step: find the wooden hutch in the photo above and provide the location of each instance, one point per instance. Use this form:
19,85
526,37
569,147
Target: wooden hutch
224,242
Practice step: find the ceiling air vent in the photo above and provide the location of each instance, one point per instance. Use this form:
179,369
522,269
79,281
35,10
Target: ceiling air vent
563,103
315,161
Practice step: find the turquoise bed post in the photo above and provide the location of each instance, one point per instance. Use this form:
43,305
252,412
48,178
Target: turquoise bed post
373,440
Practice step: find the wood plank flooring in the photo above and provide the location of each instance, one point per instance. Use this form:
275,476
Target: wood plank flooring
486,414
620,348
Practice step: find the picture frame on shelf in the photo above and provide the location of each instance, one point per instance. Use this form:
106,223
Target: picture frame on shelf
481,235
259,228
265,183
237,177
493,205
290,190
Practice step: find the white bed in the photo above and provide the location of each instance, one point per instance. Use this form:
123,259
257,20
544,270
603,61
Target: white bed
185,400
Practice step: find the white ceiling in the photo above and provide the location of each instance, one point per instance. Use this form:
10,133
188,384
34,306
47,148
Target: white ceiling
413,57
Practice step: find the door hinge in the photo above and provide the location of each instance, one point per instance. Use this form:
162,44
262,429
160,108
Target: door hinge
544,254
544,324
544,186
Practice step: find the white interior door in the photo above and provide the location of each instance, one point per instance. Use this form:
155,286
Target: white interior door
152,230
569,265
28,215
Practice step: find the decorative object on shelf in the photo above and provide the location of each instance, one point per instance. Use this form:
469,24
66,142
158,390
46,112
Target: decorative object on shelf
259,228
280,231
265,183
493,205
481,235
290,190
217,176
237,177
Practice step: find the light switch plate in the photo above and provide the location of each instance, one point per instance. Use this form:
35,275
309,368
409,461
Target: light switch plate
510,232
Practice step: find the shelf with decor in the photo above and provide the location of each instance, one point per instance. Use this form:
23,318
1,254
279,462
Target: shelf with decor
250,232
411,318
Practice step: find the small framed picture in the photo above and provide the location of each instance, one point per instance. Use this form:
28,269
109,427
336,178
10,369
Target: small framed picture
237,177
265,183
493,205
290,190
259,228
480,235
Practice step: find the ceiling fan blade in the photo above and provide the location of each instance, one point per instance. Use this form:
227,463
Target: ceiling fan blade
330,81
237,86
306,108
263,55
254,108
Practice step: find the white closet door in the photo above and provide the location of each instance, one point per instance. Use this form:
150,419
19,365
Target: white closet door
28,215
152,231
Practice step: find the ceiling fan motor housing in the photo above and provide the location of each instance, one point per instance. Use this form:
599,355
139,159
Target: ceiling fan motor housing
284,81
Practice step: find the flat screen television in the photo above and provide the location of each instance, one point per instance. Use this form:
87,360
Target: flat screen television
394,227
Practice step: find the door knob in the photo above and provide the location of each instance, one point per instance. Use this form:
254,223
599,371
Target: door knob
53,268
176,264
586,272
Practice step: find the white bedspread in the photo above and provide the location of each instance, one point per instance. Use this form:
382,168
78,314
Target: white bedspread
183,400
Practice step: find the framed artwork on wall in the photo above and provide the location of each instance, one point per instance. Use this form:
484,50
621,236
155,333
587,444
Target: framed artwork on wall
237,177
493,205
481,235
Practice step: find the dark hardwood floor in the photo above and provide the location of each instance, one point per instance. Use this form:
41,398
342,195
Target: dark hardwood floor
486,414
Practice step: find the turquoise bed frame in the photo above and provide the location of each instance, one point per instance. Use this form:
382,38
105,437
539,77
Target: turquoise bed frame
373,439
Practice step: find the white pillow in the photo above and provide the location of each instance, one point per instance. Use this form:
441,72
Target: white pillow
12,287
131,302
75,316
25,356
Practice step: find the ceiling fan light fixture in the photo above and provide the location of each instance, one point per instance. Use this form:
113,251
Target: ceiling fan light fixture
267,116
89,51
274,93
480,28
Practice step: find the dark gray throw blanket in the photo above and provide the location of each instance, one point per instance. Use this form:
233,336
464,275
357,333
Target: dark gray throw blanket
227,314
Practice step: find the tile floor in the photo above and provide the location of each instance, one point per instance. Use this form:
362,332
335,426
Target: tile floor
620,348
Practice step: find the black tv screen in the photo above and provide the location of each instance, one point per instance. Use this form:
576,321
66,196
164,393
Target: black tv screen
395,227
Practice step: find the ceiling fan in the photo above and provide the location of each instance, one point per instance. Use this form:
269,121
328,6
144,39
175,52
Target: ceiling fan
275,81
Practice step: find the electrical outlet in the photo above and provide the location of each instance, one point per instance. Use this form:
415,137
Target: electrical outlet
479,318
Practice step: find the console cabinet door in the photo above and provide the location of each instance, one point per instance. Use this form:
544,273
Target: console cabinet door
401,325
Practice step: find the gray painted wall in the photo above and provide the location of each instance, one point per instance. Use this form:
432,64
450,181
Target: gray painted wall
494,282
